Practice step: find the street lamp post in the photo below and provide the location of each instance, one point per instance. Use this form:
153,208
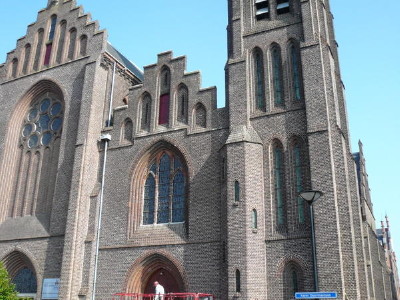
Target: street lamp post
310,197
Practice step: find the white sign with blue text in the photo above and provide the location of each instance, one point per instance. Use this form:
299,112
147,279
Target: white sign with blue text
50,288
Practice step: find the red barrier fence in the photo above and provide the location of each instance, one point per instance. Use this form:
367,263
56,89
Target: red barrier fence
169,296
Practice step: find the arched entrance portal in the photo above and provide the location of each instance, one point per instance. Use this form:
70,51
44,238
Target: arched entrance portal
166,279
155,267
22,273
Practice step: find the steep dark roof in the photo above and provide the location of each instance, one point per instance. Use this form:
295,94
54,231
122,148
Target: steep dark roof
124,61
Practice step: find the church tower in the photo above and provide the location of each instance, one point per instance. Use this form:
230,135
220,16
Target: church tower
289,131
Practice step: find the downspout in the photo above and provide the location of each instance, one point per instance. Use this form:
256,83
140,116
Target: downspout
106,138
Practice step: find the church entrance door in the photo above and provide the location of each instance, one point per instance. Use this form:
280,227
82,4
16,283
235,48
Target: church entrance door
166,279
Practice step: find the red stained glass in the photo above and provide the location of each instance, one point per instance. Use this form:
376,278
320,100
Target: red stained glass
48,54
163,117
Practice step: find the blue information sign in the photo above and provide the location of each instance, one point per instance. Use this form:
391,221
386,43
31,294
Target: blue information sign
316,295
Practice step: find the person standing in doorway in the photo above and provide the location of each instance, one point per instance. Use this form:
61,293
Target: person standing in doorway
159,291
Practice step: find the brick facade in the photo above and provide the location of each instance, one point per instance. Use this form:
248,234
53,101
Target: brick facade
245,232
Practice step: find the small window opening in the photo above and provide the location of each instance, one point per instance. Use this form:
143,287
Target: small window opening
237,281
237,191
282,7
254,219
262,9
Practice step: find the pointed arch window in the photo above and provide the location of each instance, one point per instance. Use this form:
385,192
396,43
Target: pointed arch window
164,199
145,113
295,72
72,44
38,52
25,281
27,58
38,157
83,45
292,279
200,116
277,75
165,87
49,44
279,183
298,176
182,105
14,68
259,79
61,41
127,131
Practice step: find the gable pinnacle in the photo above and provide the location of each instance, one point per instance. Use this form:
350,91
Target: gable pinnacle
51,3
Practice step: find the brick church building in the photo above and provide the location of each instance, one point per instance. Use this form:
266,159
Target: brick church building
200,198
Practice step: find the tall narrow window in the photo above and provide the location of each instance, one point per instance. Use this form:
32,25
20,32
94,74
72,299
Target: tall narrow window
277,75
14,68
127,133
182,103
165,87
38,52
254,219
72,44
38,151
279,184
49,43
282,7
298,173
27,58
295,68
145,112
292,280
238,285
262,9
200,116
83,45
237,191
164,199
259,79
61,41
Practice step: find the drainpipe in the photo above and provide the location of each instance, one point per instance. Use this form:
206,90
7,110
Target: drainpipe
106,138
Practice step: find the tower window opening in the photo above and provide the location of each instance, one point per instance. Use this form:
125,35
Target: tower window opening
262,9
282,7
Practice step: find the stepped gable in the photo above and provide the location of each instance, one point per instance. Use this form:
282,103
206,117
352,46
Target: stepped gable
190,107
61,33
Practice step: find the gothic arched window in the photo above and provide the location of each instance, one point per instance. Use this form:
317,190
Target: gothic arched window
83,45
164,195
292,280
38,156
182,103
25,281
200,116
72,42
27,58
298,179
61,41
49,43
38,52
278,165
295,71
146,113
127,131
165,87
259,85
14,68
277,75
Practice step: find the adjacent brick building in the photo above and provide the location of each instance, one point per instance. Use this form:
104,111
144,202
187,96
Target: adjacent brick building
200,198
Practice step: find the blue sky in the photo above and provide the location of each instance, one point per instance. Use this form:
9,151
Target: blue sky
369,41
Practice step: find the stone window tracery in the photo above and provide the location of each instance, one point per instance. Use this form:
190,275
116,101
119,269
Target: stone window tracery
164,196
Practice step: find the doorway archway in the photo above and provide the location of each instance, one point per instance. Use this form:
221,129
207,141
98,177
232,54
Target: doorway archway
156,267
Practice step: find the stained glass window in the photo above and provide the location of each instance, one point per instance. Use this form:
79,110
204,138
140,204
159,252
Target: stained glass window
277,75
43,123
296,79
259,79
25,281
298,173
165,191
278,174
